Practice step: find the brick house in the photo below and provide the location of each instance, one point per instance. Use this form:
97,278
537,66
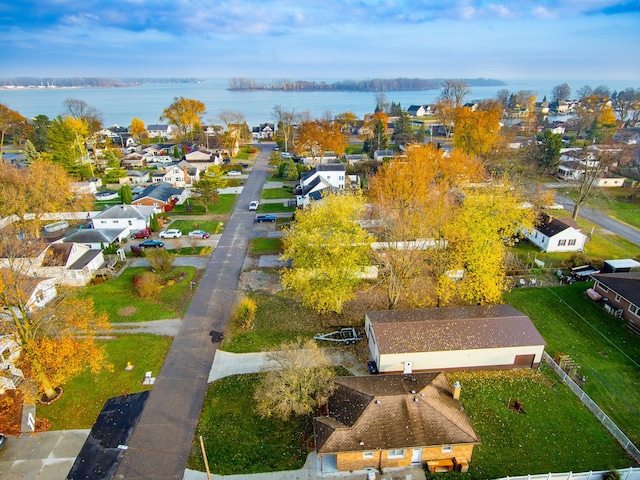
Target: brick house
384,421
622,292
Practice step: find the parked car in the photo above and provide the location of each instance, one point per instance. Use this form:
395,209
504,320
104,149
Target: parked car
234,173
253,206
144,233
150,243
3,440
171,233
266,218
199,234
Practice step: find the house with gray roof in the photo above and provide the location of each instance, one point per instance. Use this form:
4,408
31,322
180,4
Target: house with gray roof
319,178
126,218
622,293
386,421
160,196
477,337
551,234
96,239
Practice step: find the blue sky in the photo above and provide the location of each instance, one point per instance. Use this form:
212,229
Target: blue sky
354,39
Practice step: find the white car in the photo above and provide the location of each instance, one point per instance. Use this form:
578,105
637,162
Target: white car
234,173
171,233
254,205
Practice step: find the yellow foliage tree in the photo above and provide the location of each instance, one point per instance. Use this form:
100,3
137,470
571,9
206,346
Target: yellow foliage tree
185,114
328,250
137,129
57,341
476,133
319,136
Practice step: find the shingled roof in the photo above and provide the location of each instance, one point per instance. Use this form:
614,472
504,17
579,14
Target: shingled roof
626,285
390,412
452,328
550,226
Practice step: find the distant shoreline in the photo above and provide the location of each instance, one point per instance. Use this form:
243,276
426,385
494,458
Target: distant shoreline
372,85
50,83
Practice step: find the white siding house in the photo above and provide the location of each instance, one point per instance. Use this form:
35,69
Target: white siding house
318,179
124,217
553,235
479,337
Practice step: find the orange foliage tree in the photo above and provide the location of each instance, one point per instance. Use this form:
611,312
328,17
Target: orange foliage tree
318,136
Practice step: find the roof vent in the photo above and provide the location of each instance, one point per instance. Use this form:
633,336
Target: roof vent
361,443
416,399
413,392
378,402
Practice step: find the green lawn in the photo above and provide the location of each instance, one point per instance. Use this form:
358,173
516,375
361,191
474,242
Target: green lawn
119,300
274,208
616,203
84,396
273,193
265,246
279,318
223,207
607,353
185,226
238,441
555,434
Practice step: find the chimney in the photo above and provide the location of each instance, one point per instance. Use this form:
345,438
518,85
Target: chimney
456,390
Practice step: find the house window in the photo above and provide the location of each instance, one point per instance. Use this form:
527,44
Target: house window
447,449
634,309
617,298
602,287
562,243
130,222
396,454
367,454
572,242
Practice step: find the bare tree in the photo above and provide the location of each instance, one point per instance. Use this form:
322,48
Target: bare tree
285,120
454,91
560,92
591,170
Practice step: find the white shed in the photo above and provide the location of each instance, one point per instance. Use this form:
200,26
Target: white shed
479,337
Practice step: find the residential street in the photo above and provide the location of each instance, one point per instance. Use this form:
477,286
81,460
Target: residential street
161,443
602,220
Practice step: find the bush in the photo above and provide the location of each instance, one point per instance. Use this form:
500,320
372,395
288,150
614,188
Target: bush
148,284
245,313
159,259
611,475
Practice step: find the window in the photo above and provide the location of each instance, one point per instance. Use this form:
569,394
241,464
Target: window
572,242
447,449
633,309
367,454
602,287
396,454
562,243
617,298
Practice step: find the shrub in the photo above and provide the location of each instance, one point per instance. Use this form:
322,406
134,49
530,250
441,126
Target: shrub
611,475
148,284
160,259
245,313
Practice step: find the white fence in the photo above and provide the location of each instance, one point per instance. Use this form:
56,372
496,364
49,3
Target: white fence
613,429
632,473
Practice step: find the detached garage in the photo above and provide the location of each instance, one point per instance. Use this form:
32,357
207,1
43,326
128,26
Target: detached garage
480,337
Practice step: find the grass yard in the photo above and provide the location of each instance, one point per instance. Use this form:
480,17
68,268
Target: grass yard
273,193
274,208
608,354
120,301
278,319
616,203
238,441
185,226
555,434
265,246
84,396
223,207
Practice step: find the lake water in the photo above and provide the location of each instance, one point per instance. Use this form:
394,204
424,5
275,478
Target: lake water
146,102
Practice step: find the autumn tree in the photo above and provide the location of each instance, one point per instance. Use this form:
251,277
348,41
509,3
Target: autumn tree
412,203
237,130
454,92
43,188
184,113
315,137
58,341
560,92
205,190
137,129
476,133
590,170
627,104
285,122
445,113
299,384
328,251
160,259
12,124
66,138
347,121
604,125
488,218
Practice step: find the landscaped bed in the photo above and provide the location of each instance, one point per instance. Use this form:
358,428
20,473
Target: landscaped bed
607,353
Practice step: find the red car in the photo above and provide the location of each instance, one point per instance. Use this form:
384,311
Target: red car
144,233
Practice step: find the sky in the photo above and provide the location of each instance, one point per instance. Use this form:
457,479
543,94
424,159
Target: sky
321,39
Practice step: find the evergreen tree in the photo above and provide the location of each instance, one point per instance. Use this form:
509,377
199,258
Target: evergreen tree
126,195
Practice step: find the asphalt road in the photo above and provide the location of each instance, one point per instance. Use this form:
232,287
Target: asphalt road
602,220
161,442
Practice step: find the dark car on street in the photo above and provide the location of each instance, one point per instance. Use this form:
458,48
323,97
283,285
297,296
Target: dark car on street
266,218
151,244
